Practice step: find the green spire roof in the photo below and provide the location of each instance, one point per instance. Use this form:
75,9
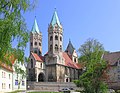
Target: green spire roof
55,19
35,27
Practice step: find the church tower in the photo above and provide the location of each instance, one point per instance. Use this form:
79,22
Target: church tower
55,36
36,39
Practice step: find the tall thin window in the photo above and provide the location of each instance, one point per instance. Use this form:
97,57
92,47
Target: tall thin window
31,63
56,47
56,37
50,47
60,38
51,38
39,44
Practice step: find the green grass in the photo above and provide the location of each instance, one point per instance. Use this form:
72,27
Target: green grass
15,91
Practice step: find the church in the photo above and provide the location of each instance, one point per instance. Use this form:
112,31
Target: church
56,65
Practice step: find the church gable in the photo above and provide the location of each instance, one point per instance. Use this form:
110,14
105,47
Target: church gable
37,58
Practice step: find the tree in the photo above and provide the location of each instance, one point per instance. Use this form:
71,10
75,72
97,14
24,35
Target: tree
12,26
92,57
21,72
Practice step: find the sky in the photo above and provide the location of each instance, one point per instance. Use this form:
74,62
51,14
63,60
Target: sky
81,19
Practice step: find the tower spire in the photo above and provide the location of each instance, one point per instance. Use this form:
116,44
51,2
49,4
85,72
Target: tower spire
35,27
55,19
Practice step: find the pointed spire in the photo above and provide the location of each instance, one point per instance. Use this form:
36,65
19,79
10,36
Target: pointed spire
35,27
55,19
70,47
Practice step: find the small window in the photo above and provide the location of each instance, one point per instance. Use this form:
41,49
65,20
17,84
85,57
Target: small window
41,65
2,75
31,63
56,37
23,83
39,44
60,48
16,82
9,86
60,38
2,86
51,38
56,47
50,47
36,43
9,76
31,44
74,59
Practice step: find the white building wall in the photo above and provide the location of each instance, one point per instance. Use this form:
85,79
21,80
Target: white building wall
5,80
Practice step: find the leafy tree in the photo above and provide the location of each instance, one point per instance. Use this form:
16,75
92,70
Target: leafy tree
13,27
21,73
92,57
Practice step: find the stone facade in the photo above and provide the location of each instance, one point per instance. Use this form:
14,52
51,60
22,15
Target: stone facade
56,65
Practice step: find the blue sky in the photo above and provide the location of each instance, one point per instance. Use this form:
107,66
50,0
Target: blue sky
81,19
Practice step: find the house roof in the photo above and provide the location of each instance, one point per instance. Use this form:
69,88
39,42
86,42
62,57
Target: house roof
9,68
35,27
38,58
6,66
69,62
55,19
112,57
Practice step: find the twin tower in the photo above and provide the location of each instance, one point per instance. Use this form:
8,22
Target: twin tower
55,37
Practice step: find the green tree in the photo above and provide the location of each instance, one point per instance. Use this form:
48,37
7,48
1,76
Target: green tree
92,57
13,27
21,72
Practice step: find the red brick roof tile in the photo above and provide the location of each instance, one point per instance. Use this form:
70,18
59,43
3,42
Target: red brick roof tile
6,67
70,63
38,58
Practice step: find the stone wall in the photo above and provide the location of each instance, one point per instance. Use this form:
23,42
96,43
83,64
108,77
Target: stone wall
50,86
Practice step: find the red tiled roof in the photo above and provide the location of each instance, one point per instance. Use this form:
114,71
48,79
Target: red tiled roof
112,58
38,58
69,62
6,67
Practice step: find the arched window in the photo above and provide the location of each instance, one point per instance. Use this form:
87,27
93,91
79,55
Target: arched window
60,38
35,43
51,38
74,59
60,47
31,63
39,44
50,47
56,37
56,47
